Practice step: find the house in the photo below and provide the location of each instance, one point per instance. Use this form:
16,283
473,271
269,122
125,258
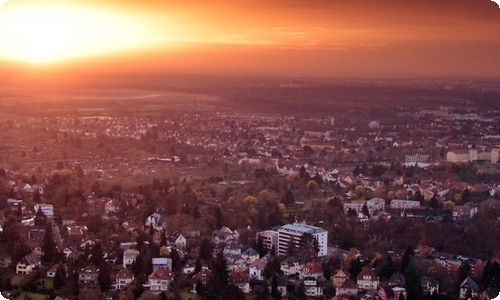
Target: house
429,285
250,255
129,257
178,240
159,280
291,266
256,268
161,262
348,287
390,293
340,277
235,262
122,278
51,272
312,269
397,279
367,280
28,263
222,235
68,252
281,284
156,220
88,275
468,288
87,243
203,277
241,280
313,287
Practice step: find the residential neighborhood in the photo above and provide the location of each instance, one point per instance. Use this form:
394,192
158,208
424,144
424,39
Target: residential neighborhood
232,204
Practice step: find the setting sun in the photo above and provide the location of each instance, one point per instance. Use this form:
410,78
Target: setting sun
45,33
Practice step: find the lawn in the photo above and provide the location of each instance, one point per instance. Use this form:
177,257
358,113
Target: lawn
185,295
33,296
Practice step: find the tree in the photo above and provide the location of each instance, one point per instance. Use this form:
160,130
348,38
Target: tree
20,250
232,292
60,277
365,210
312,186
220,279
300,291
206,249
413,283
386,268
272,268
176,260
40,217
48,245
406,259
288,198
275,293
97,254
104,276
355,267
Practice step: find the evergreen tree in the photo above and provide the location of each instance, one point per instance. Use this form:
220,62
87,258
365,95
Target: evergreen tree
275,293
48,245
365,211
40,217
104,276
386,268
197,265
97,254
20,250
206,249
36,196
272,268
60,277
405,260
355,267
413,283
176,260
300,291
220,279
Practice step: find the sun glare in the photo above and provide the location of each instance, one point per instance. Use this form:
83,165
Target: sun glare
47,33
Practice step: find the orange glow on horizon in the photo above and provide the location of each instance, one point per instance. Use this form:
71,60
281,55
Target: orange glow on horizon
317,37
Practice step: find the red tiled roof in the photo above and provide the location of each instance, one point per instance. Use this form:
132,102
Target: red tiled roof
161,273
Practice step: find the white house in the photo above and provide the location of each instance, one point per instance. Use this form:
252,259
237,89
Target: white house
256,268
28,263
129,257
313,287
122,278
159,280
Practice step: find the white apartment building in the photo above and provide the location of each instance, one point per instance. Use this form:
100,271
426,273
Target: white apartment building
401,204
47,209
269,239
296,231
464,155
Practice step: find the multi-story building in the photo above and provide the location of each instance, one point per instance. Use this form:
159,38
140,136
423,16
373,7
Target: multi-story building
269,239
296,231
402,204
47,209
468,155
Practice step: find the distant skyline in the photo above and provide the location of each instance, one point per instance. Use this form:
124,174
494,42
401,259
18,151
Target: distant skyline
327,38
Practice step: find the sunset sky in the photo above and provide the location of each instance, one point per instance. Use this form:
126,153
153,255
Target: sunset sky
366,38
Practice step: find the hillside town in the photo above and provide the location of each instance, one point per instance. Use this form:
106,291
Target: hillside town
372,204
